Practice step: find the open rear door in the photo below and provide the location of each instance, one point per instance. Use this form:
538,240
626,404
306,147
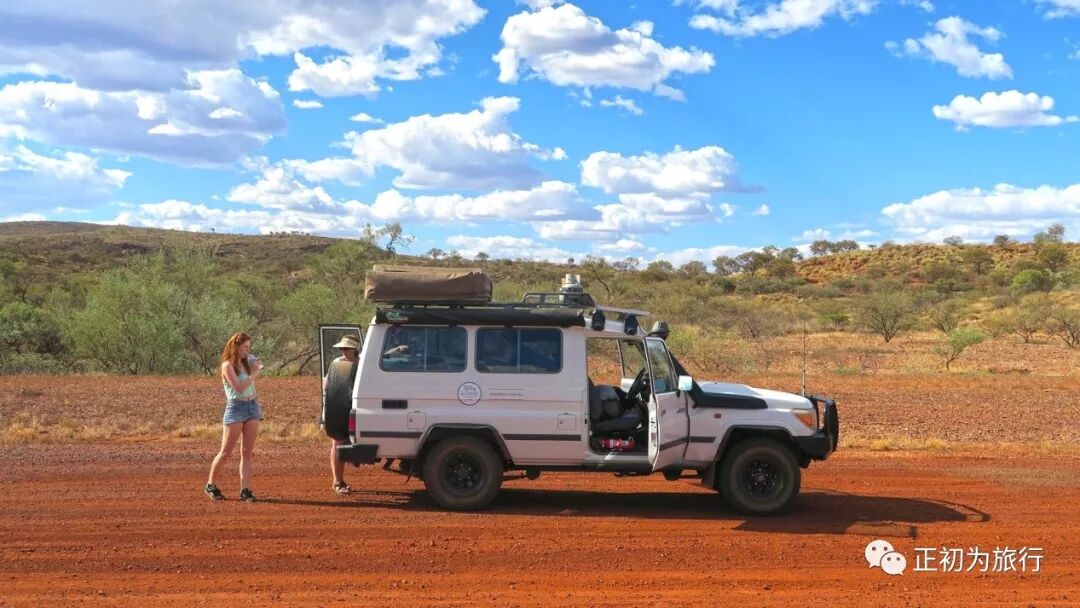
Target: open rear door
329,335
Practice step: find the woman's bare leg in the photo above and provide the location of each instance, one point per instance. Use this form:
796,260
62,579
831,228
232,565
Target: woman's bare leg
247,451
230,434
336,465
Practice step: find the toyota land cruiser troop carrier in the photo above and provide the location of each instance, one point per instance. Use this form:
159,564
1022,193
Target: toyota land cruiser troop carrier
461,389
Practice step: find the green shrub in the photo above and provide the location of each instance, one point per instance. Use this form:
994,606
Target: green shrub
956,342
1033,280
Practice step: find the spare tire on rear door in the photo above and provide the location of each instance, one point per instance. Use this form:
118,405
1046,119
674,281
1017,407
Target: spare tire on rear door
337,398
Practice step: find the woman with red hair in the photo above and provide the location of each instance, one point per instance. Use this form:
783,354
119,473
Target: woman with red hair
242,413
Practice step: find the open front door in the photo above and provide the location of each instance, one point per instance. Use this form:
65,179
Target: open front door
668,419
329,335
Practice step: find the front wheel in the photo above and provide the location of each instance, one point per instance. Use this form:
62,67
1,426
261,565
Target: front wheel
759,477
463,473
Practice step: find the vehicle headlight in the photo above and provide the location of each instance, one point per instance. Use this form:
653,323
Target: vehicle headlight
807,417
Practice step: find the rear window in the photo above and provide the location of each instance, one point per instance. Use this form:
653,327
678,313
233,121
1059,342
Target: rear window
424,349
522,351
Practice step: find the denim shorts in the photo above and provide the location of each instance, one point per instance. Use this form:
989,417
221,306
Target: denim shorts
241,411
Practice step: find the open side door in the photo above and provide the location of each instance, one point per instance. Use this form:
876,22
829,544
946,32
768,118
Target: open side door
331,334
668,417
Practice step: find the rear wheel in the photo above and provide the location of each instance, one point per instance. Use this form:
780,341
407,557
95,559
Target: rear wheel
759,477
463,473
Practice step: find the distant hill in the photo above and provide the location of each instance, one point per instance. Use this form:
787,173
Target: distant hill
65,247
900,260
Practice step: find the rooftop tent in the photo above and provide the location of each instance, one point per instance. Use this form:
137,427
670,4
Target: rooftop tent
424,284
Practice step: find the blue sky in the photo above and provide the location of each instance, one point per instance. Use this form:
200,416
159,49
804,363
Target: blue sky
655,129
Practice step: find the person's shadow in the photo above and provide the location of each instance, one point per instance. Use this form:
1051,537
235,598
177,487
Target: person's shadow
815,511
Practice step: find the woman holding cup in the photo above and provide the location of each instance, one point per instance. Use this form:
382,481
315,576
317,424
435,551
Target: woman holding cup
242,413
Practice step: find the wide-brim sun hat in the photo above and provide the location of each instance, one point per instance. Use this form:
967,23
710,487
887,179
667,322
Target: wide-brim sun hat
348,342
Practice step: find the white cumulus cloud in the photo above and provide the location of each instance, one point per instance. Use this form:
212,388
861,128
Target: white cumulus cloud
30,181
550,200
508,247
347,220
367,118
777,18
151,45
1056,9
184,125
762,211
567,47
679,173
1002,110
307,104
627,105
977,213
951,43
474,150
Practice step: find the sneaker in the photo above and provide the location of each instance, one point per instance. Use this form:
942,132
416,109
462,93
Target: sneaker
342,488
213,492
246,495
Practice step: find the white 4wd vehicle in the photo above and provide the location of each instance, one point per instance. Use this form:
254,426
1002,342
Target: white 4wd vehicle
462,391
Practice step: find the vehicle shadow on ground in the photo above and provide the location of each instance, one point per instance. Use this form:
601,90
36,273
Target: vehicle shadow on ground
815,511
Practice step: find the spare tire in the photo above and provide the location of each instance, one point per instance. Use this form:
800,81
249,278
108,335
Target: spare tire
337,398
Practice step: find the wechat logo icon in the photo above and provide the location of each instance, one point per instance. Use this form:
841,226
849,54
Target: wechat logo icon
881,554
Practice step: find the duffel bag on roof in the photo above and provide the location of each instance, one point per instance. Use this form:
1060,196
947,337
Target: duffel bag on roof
426,284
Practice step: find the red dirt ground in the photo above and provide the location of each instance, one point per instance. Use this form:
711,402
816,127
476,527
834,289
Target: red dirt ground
949,408
127,525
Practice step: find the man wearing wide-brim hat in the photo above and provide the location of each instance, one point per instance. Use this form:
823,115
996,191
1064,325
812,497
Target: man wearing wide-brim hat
350,347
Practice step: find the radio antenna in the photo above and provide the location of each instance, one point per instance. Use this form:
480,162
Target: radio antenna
804,358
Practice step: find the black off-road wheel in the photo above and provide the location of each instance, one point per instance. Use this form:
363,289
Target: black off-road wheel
337,398
463,473
759,477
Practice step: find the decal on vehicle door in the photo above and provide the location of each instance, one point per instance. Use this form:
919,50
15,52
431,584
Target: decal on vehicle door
469,393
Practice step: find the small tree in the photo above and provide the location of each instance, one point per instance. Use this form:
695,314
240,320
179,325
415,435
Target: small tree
978,259
726,265
1054,234
953,241
945,316
1065,323
956,342
1053,256
886,313
1003,240
838,320
693,269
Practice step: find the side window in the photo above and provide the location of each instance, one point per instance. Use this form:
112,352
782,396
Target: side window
526,351
663,376
424,349
633,357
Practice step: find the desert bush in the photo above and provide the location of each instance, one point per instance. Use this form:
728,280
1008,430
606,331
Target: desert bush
132,324
945,316
1065,324
956,342
33,363
886,313
28,329
1025,320
1033,280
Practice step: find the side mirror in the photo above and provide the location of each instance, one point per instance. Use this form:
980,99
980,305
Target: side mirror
685,383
